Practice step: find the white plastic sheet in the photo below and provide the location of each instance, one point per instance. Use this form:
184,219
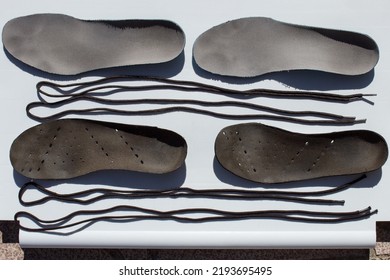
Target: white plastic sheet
201,169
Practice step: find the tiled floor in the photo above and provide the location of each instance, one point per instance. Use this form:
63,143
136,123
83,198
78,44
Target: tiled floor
10,249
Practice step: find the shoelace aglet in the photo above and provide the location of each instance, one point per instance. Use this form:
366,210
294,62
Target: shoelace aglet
362,96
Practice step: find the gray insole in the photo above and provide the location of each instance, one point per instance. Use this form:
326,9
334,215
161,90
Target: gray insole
249,47
60,44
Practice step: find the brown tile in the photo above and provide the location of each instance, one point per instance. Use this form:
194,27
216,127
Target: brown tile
383,231
263,254
83,254
10,231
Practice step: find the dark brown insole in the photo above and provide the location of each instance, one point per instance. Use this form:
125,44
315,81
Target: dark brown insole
61,44
267,154
73,147
249,47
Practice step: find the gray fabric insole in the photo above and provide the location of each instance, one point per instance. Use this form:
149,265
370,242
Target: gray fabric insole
70,148
60,44
250,47
267,154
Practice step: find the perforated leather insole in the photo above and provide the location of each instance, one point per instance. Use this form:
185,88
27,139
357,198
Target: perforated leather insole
249,47
61,44
73,147
267,154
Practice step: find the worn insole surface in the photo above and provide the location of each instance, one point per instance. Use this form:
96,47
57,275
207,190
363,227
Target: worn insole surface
249,47
60,44
73,147
267,154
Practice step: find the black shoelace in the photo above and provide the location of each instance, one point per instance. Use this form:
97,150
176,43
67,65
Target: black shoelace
90,91
191,86
180,216
177,215
105,193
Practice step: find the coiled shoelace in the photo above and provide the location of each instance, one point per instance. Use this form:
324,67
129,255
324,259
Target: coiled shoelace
90,91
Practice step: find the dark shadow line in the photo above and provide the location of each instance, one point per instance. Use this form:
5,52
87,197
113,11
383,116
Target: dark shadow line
118,178
227,177
298,79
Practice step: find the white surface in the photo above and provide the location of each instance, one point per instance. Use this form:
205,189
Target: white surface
195,17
